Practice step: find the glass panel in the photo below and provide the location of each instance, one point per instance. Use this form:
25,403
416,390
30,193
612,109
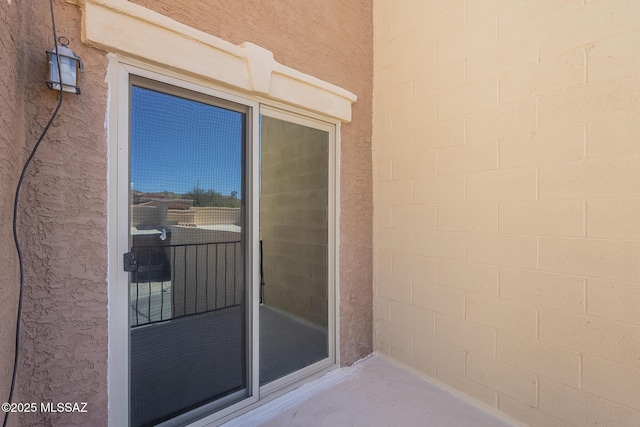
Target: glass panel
294,246
188,338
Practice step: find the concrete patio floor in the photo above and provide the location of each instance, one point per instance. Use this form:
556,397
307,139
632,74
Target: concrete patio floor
373,392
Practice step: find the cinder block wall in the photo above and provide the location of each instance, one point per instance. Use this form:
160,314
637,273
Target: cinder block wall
293,218
507,202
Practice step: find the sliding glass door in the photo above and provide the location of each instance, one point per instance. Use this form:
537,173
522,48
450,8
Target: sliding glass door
226,212
294,234
188,293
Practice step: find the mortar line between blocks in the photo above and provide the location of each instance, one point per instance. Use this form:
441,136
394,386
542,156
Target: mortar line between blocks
585,291
464,365
464,189
585,51
466,13
495,344
584,141
435,319
466,247
464,76
580,371
584,218
464,129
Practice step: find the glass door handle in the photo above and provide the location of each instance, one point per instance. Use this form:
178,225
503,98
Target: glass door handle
130,261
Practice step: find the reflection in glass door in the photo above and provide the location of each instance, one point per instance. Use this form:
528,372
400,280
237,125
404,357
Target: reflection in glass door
294,234
188,295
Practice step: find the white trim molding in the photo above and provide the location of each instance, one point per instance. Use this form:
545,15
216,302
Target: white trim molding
119,26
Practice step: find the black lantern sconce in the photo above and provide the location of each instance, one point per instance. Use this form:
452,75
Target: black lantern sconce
70,66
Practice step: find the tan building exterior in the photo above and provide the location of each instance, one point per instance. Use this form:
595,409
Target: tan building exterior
506,203
63,212
489,194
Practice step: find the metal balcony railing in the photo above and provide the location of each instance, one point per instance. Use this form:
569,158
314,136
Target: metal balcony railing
174,281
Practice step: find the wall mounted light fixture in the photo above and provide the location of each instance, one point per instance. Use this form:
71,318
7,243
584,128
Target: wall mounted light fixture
70,65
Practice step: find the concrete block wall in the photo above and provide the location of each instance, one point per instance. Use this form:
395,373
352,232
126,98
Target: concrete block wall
293,218
507,202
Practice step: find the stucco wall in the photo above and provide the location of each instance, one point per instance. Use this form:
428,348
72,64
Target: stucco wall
331,40
507,200
63,352
11,146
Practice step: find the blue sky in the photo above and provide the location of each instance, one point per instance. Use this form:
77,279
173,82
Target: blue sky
177,144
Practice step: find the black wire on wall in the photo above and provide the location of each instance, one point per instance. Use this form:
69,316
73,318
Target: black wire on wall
15,217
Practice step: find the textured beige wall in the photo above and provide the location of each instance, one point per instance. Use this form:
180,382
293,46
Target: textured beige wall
11,146
507,202
63,352
293,218
331,40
